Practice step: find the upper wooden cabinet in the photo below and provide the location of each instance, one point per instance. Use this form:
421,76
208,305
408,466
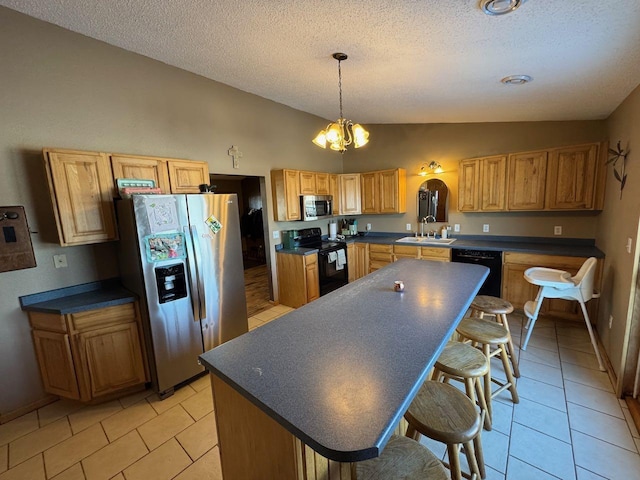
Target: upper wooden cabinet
144,168
384,191
171,175
285,189
334,191
81,184
567,178
527,180
186,176
482,184
323,186
571,174
307,183
493,175
469,185
370,191
349,194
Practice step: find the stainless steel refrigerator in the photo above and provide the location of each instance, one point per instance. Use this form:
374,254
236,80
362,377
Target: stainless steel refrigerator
182,255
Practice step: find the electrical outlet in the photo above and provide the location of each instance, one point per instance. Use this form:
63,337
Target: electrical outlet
408,227
610,321
456,227
557,230
368,227
485,228
60,261
276,234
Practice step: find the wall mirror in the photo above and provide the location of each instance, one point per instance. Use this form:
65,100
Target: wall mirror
433,199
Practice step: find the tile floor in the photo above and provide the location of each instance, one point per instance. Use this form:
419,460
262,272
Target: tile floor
568,425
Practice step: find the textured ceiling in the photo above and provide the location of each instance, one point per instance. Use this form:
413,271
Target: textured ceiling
410,61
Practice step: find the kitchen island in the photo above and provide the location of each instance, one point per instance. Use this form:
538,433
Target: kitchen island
333,379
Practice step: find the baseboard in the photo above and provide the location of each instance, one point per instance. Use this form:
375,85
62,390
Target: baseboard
7,417
634,409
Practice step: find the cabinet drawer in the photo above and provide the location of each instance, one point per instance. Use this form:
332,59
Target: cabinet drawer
378,248
49,322
310,259
444,253
102,317
406,251
549,261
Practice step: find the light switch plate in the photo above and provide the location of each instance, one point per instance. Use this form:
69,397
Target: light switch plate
60,261
485,228
557,230
456,227
276,234
408,227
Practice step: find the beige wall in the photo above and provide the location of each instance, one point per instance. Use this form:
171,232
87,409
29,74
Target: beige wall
60,89
618,222
409,146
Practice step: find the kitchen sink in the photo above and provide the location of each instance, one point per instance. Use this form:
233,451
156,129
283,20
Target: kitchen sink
427,241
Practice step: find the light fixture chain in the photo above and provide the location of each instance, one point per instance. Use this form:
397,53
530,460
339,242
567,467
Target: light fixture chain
340,85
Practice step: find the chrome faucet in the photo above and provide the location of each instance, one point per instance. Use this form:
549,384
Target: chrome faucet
422,223
426,220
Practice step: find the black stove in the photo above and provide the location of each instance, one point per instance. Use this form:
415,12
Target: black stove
332,258
312,238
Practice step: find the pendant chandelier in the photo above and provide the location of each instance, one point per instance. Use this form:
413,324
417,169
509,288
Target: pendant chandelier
342,133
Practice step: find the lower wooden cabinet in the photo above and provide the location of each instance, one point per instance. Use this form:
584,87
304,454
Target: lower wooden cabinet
298,280
518,291
405,251
90,355
435,253
56,363
379,256
360,263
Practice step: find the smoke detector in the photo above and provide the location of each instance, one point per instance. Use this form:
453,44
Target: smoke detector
516,79
499,7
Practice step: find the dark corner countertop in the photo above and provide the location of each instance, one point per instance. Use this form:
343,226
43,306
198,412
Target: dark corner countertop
78,298
569,247
340,372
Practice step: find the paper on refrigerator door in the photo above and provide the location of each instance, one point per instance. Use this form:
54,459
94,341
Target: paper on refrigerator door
162,214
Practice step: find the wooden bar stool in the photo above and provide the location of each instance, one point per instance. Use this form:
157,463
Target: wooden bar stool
443,413
401,459
500,308
462,362
490,334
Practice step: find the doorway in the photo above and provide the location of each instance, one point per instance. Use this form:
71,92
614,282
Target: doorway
251,194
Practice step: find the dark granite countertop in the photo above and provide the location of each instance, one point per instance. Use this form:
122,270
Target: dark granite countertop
298,251
570,247
78,298
340,372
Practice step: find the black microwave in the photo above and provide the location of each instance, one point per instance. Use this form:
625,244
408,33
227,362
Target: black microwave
315,207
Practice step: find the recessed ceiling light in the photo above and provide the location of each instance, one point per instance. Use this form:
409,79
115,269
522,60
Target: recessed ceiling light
499,7
516,79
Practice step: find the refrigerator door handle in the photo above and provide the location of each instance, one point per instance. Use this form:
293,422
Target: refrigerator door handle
201,292
192,276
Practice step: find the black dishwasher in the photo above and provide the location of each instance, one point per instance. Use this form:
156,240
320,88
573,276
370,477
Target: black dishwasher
490,259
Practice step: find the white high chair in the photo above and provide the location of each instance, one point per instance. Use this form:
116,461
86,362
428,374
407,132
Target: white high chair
560,284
